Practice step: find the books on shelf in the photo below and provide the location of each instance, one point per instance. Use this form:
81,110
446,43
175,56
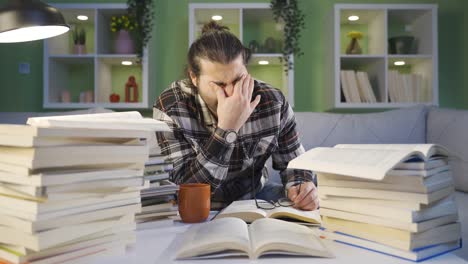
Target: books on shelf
356,87
397,198
261,238
407,87
365,88
248,211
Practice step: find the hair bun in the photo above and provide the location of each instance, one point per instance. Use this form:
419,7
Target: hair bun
213,26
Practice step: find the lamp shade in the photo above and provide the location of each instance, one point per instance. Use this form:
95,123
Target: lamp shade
27,20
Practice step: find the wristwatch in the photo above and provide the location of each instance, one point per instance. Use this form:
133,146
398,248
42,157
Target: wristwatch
229,135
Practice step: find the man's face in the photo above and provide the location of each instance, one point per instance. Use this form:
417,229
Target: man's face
215,75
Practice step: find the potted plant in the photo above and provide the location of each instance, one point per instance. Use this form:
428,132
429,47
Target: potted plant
287,12
79,40
353,46
122,25
143,11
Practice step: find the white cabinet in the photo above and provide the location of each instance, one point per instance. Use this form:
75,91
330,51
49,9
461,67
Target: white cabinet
254,25
396,60
77,77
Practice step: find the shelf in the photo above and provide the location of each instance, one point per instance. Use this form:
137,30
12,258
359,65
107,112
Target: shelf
74,77
371,23
260,32
362,56
374,68
230,18
393,85
412,81
63,44
414,23
96,74
112,77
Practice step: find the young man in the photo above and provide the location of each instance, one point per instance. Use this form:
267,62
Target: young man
225,125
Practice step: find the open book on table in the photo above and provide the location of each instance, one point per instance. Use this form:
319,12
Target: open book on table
230,237
369,161
248,211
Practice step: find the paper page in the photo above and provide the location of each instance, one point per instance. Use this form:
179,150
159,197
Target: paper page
272,235
244,209
216,236
121,120
295,214
427,149
114,115
362,163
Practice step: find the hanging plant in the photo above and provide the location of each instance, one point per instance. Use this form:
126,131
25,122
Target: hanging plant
287,12
143,11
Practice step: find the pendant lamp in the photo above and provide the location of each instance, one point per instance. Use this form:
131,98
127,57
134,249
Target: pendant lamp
27,20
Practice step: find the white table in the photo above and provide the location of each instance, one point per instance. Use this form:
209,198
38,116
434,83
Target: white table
158,245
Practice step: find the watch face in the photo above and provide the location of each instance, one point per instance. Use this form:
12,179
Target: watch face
231,136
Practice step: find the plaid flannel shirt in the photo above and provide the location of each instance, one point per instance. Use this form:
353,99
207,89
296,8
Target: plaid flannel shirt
200,154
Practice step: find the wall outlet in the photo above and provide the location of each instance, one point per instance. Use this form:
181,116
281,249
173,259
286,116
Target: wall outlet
24,68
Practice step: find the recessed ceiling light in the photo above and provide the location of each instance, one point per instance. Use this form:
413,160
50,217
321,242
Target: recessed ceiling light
127,63
353,18
82,17
216,17
263,62
399,63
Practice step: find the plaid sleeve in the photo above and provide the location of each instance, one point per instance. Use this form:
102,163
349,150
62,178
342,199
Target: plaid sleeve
289,147
208,163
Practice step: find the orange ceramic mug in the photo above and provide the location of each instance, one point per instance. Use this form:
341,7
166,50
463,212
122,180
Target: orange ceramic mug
194,202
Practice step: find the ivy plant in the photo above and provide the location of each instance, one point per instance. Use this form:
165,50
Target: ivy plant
288,12
143,11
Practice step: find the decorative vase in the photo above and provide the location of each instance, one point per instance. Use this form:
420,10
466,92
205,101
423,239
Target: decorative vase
124,43
79,49
353,47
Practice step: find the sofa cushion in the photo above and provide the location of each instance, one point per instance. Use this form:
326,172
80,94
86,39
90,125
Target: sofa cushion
406,125
449,128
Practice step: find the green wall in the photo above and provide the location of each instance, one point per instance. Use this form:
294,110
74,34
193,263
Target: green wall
170,42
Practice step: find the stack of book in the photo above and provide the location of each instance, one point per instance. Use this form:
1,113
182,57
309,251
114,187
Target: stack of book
394,199
70,186
159,201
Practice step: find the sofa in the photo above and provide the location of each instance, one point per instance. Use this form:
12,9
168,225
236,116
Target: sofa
418,124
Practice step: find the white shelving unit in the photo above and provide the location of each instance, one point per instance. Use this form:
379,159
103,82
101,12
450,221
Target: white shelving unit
417,79
251,23
99,71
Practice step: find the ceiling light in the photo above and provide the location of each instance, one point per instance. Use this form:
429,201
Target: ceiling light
82,17
263,62
399,63
127,63
353,18
216,17
28,20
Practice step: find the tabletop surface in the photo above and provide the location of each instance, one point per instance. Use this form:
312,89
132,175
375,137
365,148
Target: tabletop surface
159,243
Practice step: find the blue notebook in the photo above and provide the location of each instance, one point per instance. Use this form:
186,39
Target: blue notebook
416,255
